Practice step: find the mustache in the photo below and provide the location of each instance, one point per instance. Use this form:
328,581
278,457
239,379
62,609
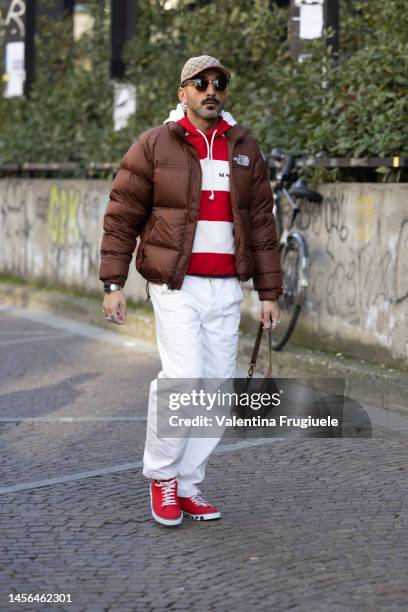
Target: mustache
212,100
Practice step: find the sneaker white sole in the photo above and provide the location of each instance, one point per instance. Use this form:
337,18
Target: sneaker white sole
203,517
163,521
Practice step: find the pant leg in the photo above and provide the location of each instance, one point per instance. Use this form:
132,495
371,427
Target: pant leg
220,329
179,343
220,332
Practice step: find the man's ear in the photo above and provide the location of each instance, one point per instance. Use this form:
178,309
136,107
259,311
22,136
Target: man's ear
181,94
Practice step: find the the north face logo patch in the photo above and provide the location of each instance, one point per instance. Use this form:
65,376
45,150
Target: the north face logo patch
242,160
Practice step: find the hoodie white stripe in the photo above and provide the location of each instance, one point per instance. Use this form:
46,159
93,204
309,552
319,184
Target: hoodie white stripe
214,237
220,175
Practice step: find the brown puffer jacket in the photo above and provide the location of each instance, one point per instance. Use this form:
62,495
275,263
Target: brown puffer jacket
156,194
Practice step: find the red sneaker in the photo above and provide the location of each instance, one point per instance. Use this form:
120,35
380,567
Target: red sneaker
164,503
196,508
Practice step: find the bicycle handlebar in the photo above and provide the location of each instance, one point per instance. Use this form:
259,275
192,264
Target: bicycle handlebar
278,155
288,174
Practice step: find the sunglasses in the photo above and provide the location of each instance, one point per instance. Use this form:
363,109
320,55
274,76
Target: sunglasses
201,83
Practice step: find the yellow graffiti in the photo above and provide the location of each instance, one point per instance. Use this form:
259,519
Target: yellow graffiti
365,205
63,215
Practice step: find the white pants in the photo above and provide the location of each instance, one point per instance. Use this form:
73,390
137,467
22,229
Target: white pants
197,330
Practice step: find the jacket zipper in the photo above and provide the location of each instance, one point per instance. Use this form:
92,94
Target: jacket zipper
231,146
171,283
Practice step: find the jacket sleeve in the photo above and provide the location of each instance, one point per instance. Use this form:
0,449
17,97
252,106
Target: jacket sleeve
267,278
129,206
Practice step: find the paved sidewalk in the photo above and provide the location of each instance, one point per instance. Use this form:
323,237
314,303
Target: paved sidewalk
307,525
379,385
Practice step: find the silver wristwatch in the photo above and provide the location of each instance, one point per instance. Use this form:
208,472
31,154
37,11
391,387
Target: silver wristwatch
109,287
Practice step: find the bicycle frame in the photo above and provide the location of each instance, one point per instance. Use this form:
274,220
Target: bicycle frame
293,249
304,265
291,233
277,209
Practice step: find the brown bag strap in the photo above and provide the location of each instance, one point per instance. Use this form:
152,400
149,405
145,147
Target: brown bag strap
255,352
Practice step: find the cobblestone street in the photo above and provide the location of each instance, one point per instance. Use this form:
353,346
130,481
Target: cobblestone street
306,525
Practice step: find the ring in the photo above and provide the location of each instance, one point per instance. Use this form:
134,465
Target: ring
277,321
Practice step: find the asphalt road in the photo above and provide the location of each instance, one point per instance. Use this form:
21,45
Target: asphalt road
318,524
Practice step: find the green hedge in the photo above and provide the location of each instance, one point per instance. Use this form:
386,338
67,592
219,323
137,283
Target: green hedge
354,106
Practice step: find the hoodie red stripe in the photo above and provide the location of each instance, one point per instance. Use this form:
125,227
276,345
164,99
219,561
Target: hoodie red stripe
212,264
218,209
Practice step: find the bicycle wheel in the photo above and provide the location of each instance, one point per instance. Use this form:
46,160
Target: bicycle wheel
290,302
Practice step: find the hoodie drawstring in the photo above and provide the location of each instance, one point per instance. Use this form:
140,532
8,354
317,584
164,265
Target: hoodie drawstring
210,157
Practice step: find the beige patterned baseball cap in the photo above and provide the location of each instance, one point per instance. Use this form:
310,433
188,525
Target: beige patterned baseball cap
195,65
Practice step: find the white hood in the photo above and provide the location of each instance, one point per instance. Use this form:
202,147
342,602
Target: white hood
178,113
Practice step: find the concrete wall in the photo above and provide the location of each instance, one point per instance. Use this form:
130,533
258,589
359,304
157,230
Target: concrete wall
358,296
52,230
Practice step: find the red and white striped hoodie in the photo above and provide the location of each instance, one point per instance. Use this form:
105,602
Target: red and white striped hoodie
213,247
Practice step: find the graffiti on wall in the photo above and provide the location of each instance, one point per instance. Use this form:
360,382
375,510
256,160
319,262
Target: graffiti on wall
50,231
73,217
63,215
358,269
15,18
16,226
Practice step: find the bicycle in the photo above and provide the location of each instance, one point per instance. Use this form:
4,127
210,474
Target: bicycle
293,250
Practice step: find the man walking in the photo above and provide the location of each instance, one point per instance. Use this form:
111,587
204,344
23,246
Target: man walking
196,190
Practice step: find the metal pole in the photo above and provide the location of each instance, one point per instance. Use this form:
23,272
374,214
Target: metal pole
31,8
329,15
20,31
123,28
332,20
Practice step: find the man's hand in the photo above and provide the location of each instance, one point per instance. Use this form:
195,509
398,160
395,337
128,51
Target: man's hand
270,313
114,305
